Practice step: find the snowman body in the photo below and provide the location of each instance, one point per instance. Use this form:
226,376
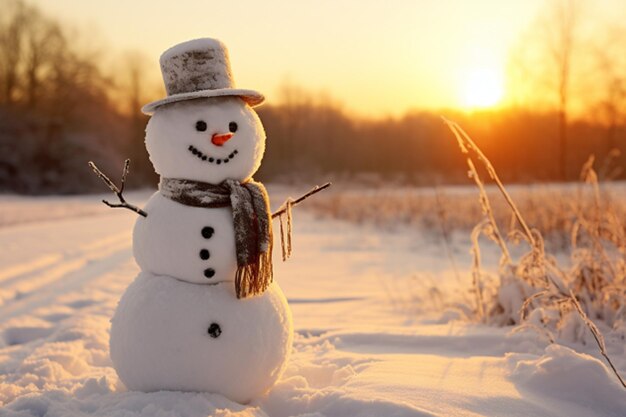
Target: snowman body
192,244
179,325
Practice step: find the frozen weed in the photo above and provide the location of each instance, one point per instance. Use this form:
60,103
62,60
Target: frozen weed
547,208
534,290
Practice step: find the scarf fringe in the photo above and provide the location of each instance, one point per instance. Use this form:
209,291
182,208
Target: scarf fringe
286,230
252,222
255,278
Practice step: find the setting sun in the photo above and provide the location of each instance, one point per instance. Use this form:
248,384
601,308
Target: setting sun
482,87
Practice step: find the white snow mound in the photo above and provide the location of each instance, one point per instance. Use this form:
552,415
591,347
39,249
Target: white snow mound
574,378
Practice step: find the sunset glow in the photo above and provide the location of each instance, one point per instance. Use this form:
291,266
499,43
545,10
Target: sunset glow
483,87
375,60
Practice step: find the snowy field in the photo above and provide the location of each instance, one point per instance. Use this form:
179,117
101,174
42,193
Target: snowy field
378,317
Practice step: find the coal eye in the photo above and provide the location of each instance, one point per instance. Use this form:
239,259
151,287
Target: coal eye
232,126
200,125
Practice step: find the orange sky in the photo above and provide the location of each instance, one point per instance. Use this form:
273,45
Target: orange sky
374,57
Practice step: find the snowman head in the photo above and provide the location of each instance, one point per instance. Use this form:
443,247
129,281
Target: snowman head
206,139
205,129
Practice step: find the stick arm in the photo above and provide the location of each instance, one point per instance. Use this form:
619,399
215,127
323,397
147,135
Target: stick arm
117,191
300,199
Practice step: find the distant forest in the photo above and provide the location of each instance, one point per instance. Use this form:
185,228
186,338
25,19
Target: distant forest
59,109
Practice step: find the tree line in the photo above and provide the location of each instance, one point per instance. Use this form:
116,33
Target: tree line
320,141
60,108
55,108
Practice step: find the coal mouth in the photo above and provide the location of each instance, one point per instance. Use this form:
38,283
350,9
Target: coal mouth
211,159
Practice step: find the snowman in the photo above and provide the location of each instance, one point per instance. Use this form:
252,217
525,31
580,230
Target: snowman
204,313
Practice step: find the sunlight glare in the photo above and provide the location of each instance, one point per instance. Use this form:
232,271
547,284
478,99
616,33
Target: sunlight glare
482,87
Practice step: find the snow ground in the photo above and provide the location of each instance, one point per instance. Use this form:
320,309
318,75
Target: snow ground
371,336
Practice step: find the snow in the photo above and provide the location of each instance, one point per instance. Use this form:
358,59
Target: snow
371,337
169,240
192,45
200,64
168,334
172,130
582,380
179,325
199,68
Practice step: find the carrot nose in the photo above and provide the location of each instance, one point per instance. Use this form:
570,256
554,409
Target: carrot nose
220,139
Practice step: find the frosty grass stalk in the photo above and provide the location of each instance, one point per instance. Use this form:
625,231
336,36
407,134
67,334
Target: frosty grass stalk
536,277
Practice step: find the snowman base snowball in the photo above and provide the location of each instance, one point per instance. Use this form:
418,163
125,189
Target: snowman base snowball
168,334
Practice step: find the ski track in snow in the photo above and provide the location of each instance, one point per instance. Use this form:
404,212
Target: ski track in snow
364,344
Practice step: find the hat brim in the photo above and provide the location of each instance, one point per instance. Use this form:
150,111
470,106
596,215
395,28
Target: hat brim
253,98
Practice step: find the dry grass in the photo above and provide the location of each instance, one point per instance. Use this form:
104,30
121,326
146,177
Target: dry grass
551,209
534,290
570,301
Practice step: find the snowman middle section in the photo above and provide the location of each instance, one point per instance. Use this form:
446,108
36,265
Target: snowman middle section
186,243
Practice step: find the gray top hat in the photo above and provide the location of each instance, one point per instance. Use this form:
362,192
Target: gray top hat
199,68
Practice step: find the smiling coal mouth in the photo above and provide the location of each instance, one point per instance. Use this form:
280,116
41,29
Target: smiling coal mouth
210,159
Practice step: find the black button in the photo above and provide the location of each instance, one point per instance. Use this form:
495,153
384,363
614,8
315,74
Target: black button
204,254
215,330
209,272
207,232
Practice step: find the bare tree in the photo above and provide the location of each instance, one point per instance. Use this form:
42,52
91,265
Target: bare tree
611,66
544,61
38,66
44,41
135,88
296,104
12,27
565,15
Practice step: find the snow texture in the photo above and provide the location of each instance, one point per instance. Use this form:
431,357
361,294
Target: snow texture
199,64
172,130
370,337
583,381
199,68
171,335
169,241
